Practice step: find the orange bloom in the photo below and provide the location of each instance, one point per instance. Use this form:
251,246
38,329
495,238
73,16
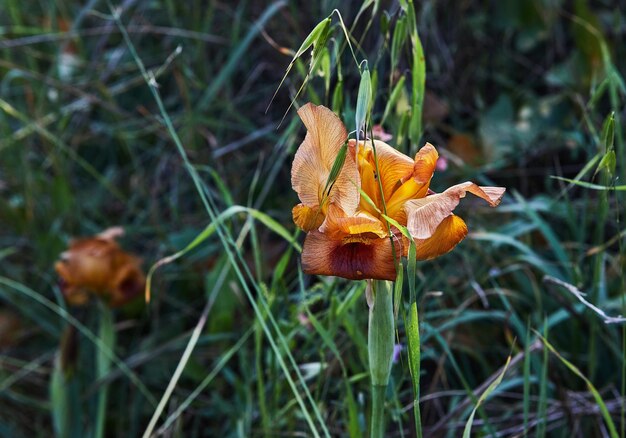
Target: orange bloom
98,265
347,234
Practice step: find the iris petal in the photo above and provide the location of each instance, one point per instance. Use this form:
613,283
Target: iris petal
424,215
315,158
323,255
307,218
448,234
362,225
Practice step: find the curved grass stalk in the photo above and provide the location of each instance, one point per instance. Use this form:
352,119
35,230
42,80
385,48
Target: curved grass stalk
240,270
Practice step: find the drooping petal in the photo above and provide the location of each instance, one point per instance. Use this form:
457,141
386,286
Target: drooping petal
424,215
447,235
315,157
307,218
373,259
361,226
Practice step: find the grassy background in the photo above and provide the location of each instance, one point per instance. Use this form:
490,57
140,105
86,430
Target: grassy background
517,92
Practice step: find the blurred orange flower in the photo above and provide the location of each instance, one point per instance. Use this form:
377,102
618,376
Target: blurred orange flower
97,265
347,234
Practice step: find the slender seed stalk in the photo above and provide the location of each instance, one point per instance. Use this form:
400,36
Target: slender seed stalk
380,346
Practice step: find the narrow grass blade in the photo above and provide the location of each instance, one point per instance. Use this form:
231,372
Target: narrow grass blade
84,331
468,426
393,98
310,40
59,399
590,185
596,395
397,42
210,229
235,258
353,421
418,80
228,69
103,366
206,382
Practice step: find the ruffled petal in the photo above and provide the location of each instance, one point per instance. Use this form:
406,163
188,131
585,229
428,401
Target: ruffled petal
447,235
425,163
416,184
315,157
394,167
360,226
424,215
307,218
373,259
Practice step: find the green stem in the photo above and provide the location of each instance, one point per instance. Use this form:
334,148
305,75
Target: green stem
378,411
103,366
380,347
413,341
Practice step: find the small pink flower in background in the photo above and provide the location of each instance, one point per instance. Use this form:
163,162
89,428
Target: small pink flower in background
379,133
442,163
304,320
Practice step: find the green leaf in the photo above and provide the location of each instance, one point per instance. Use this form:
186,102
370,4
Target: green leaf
399,38
468,426
324,70
311,39
335,170
418,80
608,132
364,101
338,98
393,98
397,288
413,344
607,162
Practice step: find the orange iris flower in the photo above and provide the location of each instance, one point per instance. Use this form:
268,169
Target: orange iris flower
98,265
347,234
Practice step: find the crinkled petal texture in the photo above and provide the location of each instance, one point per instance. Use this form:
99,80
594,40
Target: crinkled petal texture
312,166
431,222
354,260
359,226
401,178
100,266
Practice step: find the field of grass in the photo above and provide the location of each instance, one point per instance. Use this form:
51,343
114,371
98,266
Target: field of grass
158,117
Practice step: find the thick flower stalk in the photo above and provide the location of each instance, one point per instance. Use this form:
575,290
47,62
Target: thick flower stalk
347,233
97,265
